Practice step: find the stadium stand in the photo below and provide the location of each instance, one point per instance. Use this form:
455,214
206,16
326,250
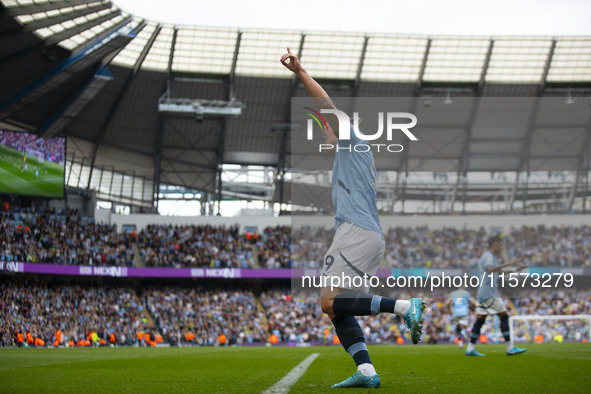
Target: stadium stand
194,246
408,247
42,307
199,317
187,316
61,236
64,236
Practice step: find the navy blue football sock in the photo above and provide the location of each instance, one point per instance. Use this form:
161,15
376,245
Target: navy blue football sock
505,328
357,303
475,334
351,337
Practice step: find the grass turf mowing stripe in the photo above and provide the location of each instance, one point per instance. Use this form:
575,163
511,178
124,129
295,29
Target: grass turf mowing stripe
292,377
546,367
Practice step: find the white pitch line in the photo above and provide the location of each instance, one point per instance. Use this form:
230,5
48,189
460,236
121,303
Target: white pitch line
283,386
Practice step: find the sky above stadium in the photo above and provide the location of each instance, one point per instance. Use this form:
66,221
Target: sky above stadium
465,17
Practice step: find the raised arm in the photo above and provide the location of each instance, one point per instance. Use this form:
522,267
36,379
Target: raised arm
315,91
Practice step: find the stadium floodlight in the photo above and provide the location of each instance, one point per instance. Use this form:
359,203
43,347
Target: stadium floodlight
200,108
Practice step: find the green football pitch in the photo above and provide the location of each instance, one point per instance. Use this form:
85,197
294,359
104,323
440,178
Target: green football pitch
15,179
564,368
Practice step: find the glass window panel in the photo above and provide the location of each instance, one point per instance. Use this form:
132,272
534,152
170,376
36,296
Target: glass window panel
10,3
204,49
138,188
571,61
456,59
332,55
130,54
518,59
24,19
260,51
84,174
87,35
127,185
394,58
159,53
44,33
105,186
116,184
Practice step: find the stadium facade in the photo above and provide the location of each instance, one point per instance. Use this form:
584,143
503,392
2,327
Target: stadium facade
154,109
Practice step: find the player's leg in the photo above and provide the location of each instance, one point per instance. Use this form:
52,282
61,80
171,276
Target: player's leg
504,318
351,244
460,330
481,313
359,303
351,337
474,335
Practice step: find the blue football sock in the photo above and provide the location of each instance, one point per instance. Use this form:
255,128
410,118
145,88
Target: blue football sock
357,303
475,334
351,337
505,328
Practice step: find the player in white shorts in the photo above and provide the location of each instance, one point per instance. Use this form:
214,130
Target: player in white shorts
489,299
358,245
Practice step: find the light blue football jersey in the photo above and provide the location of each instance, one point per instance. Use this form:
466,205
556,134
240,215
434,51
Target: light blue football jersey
488,289
460,302
354,185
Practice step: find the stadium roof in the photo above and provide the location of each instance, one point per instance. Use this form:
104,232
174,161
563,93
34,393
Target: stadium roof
92,72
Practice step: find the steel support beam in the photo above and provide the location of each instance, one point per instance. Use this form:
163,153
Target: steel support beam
223,122
400,190
220,165
284,132
465,159
9,105
524,160
160,133
357,81
117,102
580,169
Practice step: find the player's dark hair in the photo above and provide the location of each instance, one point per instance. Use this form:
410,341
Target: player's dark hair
493,239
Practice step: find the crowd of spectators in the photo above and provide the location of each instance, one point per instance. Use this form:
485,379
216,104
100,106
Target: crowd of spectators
182,315
195,246
300,320
423,247
296,320
214,247
52,149
549,303
200,317
42,308
406,247
61,236
309,245
64,236
440,325
553,246
274,247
